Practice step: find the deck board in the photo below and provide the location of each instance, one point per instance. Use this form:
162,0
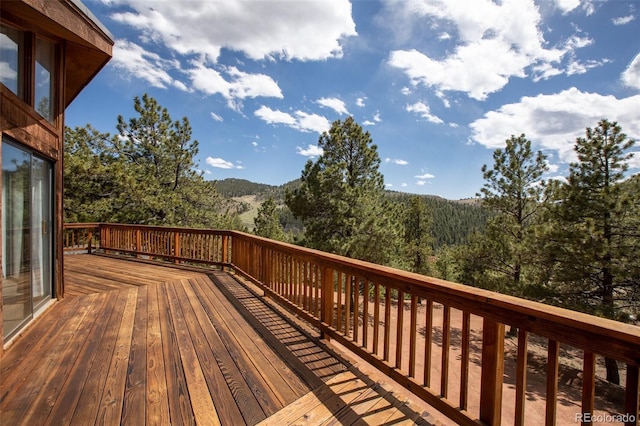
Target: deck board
135,343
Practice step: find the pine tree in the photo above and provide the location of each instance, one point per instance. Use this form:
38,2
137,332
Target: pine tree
341,197
418,239
145,175
267,223
93,176
591,240
513,190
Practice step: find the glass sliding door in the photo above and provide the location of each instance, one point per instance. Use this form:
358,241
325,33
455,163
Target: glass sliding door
26,236
16,258
41,229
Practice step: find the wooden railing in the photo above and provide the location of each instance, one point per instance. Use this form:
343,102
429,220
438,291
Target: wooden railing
430,336
80,237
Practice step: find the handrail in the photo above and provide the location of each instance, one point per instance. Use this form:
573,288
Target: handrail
377,313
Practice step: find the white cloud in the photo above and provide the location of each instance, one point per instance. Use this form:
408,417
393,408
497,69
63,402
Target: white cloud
443,98
422,109
631,75
216,117
310,151
376,117
552,168
623,20
360,102
588,7
274,116
404,185
577,67
567,5
504,41
444,36
311,122
301,121
421,182
309,30
396,161
244,85
405,91
143,64
335,104
553,122
237,85
368,123
425,176
221,163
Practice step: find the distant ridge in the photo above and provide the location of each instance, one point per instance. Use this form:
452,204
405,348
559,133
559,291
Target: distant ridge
233,187
453,220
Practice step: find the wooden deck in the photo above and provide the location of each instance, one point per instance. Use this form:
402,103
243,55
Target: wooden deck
134,343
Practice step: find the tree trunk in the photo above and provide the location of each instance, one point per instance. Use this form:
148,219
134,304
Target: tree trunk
613,376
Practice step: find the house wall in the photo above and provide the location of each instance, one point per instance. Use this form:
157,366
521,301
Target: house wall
83,47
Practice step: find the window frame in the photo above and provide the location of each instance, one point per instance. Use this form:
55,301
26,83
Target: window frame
27,71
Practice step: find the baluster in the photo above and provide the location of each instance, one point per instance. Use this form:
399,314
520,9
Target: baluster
588,382
356,308
491,376
365,314
552,381
413,335
428,337
399,329
376,317
521,376
631,395
446,343
339,302
387,321
327,298
464,360
348,295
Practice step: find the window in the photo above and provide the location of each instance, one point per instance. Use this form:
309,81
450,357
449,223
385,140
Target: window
32,80
11,59
45,78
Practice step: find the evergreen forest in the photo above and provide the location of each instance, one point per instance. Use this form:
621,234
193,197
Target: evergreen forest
571,241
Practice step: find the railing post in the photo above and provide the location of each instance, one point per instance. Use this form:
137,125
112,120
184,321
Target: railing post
492,372
90,236
326,310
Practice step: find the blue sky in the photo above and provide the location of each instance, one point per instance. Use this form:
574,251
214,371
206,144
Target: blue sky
438,84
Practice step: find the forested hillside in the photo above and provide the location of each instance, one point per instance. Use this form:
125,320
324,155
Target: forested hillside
453,221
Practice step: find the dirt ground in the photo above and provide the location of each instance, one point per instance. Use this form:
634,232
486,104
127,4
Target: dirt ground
609,398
